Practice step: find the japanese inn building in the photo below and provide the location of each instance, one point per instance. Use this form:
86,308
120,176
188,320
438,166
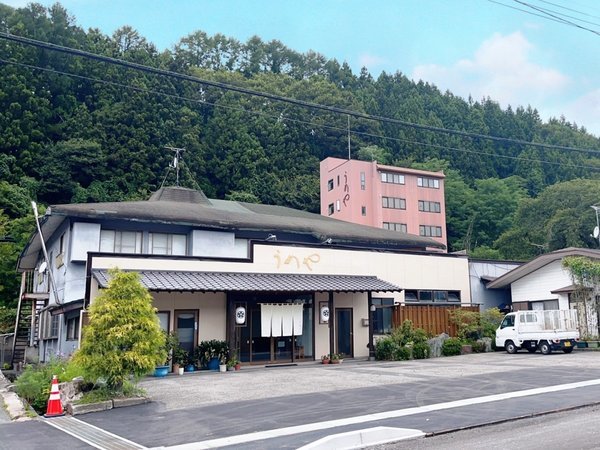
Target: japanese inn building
280,285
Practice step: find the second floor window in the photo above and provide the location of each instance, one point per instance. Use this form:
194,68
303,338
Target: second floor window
393,202
167,244
330,185
112,241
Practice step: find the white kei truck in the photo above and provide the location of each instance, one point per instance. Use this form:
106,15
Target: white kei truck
538,329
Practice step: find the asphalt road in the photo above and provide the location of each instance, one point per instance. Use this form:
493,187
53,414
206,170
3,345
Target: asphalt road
575,429
330,400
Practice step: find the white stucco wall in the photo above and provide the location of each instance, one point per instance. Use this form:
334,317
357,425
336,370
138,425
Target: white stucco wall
539,284
210,307
408,271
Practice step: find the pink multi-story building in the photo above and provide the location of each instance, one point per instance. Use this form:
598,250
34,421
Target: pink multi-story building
395,198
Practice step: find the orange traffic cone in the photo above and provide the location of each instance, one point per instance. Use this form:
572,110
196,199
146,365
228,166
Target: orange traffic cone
54,408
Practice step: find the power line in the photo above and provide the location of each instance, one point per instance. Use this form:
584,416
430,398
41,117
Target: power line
279,118
229,87
556,15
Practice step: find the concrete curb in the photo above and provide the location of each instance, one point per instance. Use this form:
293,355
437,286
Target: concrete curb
14,406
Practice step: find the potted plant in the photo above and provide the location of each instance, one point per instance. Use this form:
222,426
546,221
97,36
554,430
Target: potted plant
233,363
211,354
180,358
171,341
336,358
325,359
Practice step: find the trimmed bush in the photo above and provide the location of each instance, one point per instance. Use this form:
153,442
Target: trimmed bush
385,349
421,350
451,347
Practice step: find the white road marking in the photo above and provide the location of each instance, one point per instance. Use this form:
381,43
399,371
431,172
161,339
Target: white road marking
91,434
287,431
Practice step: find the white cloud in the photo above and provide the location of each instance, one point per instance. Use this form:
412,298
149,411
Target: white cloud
370,61
501,69
585,111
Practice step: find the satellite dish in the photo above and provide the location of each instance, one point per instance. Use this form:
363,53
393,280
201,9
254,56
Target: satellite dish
596,232
42,268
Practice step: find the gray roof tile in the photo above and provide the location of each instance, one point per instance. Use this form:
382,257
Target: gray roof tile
230,281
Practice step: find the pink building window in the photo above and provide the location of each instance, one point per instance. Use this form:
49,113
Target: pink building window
393,202
389,177
426,182
430,231
427,206
395,226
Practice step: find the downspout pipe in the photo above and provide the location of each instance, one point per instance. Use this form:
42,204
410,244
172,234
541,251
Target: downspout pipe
50,273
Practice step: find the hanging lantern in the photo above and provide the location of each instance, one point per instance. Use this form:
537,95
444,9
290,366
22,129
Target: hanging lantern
240,315
324,314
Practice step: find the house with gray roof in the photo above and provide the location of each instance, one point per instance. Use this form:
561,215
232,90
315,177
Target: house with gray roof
543,283
304,284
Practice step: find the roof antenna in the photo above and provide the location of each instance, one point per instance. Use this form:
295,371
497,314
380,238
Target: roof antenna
175,163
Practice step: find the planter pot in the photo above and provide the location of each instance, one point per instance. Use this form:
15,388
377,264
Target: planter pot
230,368
161,371
222,368
466,349
237,366
593,344
180,371
325,361
175,368
336,361
190,368
213,364
582,344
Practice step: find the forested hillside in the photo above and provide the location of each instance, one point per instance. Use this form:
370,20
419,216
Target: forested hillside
78,130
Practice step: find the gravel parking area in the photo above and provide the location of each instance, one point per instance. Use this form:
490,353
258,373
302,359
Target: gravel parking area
251,383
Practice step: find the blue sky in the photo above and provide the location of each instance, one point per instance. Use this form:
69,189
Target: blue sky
470,47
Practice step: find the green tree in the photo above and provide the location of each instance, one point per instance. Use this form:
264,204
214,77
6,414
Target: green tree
123,337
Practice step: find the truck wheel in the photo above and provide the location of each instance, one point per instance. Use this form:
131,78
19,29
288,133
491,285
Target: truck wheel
568,350
510,347
545,348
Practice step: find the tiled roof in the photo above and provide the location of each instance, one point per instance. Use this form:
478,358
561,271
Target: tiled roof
272,282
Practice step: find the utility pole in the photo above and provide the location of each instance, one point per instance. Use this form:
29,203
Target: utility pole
175,163
596,234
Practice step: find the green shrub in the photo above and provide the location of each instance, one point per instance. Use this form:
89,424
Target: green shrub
400,344
421,350
34,383
123,337
402,353
385,349
451,347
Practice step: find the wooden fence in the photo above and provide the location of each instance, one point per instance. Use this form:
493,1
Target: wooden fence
434,319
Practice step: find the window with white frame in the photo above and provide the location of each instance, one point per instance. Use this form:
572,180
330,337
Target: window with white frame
393,202
431,296
427,206
395,226
363,181
167,244
427,182
430,231
390,177
330,185
112,241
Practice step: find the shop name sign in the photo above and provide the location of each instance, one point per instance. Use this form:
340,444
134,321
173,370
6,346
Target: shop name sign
298,262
